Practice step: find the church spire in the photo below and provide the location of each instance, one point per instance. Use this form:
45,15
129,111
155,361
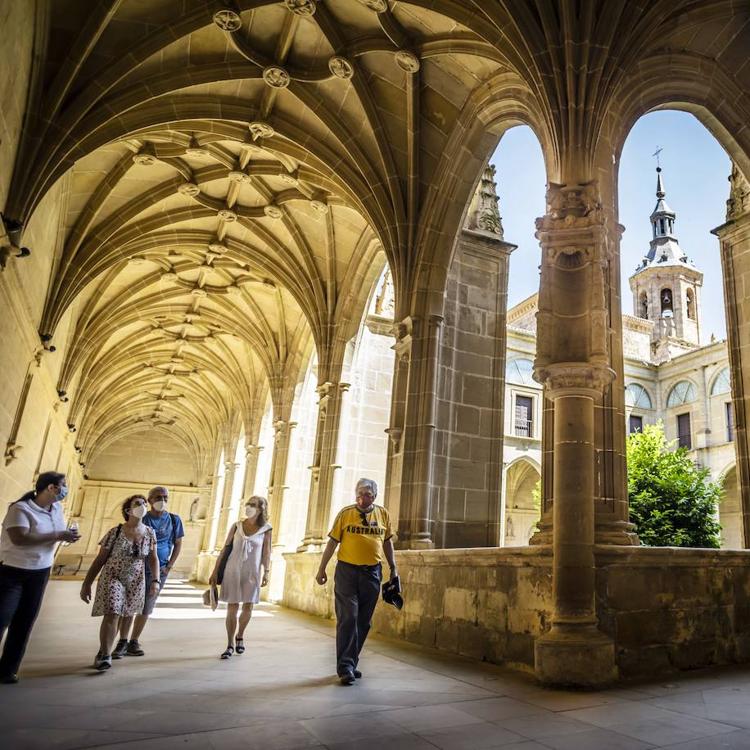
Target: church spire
663,217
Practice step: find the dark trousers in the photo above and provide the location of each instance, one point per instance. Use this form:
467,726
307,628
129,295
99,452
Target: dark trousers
356,589
21,594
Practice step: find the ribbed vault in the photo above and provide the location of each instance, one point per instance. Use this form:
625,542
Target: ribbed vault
238,174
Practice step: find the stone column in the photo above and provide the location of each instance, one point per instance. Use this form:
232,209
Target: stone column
415,526
252,454
573,364
330,398
734,236
205,560
279,463
394,459
574,651
225,514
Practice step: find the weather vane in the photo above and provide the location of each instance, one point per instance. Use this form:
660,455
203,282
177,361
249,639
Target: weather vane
656,153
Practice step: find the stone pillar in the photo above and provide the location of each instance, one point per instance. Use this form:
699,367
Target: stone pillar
468,444
734,236
415,526
252,454
395,457
205,560
574,651
324,465
573,364
612,522
279,463
225,514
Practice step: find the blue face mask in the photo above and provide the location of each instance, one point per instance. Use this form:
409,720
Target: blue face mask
62,494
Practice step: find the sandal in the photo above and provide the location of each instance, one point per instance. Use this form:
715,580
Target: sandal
227,653
240,643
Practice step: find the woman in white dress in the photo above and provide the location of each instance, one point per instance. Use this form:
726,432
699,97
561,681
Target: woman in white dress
248,564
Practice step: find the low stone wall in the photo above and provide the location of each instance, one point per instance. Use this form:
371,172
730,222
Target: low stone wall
666,609
671,608
489,604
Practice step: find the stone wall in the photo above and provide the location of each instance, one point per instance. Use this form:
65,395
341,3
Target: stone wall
489,604
468,445
666,609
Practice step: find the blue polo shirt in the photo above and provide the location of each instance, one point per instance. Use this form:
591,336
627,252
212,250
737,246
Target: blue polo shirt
167,531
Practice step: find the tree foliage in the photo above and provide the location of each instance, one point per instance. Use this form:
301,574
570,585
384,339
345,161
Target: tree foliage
673,503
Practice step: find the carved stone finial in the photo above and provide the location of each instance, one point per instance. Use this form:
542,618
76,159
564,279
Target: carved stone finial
189,189
260,130
738,202
301,7
144,159
484,214
227,20
379,6
341,67
276,77
407,61
227,214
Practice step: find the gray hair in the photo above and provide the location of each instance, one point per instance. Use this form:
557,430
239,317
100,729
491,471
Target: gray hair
158,490
371,483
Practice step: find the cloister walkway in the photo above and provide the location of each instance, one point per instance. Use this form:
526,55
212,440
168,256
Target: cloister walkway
281,694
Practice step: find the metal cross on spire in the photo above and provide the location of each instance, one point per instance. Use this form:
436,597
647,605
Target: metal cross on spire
656,153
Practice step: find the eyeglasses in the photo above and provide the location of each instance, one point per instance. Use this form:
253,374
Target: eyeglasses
159,497
253,505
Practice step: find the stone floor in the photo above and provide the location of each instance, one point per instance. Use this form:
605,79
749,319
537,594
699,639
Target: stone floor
281,694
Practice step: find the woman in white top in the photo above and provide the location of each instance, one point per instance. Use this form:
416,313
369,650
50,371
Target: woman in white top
242,568
32,527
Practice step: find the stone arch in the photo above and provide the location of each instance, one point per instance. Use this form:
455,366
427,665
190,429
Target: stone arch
682,392
522,511
730,512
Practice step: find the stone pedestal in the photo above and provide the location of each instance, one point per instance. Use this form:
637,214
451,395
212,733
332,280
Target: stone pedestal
579,656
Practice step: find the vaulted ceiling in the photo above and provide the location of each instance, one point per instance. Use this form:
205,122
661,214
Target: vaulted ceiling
239,173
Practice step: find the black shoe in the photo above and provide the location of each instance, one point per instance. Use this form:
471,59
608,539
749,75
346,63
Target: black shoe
347,678
357,674
134,649
9,679
120,649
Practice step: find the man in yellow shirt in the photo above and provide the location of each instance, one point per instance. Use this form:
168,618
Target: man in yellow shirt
364,532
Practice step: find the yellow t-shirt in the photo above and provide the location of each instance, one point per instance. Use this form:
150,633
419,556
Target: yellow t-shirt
360,544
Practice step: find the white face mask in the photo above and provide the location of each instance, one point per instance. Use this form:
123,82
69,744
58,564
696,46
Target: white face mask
138,511
250,511
159,505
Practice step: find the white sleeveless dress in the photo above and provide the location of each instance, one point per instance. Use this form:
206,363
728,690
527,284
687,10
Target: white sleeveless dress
242,575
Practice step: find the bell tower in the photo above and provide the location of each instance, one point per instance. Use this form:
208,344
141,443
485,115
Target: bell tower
666,286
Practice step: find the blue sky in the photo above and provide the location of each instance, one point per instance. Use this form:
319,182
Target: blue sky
695,170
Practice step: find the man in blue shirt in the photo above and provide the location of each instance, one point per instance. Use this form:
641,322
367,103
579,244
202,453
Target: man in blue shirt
169,532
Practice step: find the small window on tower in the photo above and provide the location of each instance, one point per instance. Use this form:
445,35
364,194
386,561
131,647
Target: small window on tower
690,299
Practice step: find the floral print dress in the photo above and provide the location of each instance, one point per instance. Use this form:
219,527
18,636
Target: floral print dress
121,589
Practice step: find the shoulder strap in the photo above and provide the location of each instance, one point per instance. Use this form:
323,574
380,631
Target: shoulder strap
174,528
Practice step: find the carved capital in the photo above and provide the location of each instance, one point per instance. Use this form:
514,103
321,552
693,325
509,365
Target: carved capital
564,378
571,206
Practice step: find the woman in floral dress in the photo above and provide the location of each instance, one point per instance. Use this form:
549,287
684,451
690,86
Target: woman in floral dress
121,589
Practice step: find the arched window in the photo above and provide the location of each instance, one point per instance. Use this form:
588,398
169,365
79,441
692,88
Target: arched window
643,305
519,371
666,299
722,383
690,301
636,395
682,393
